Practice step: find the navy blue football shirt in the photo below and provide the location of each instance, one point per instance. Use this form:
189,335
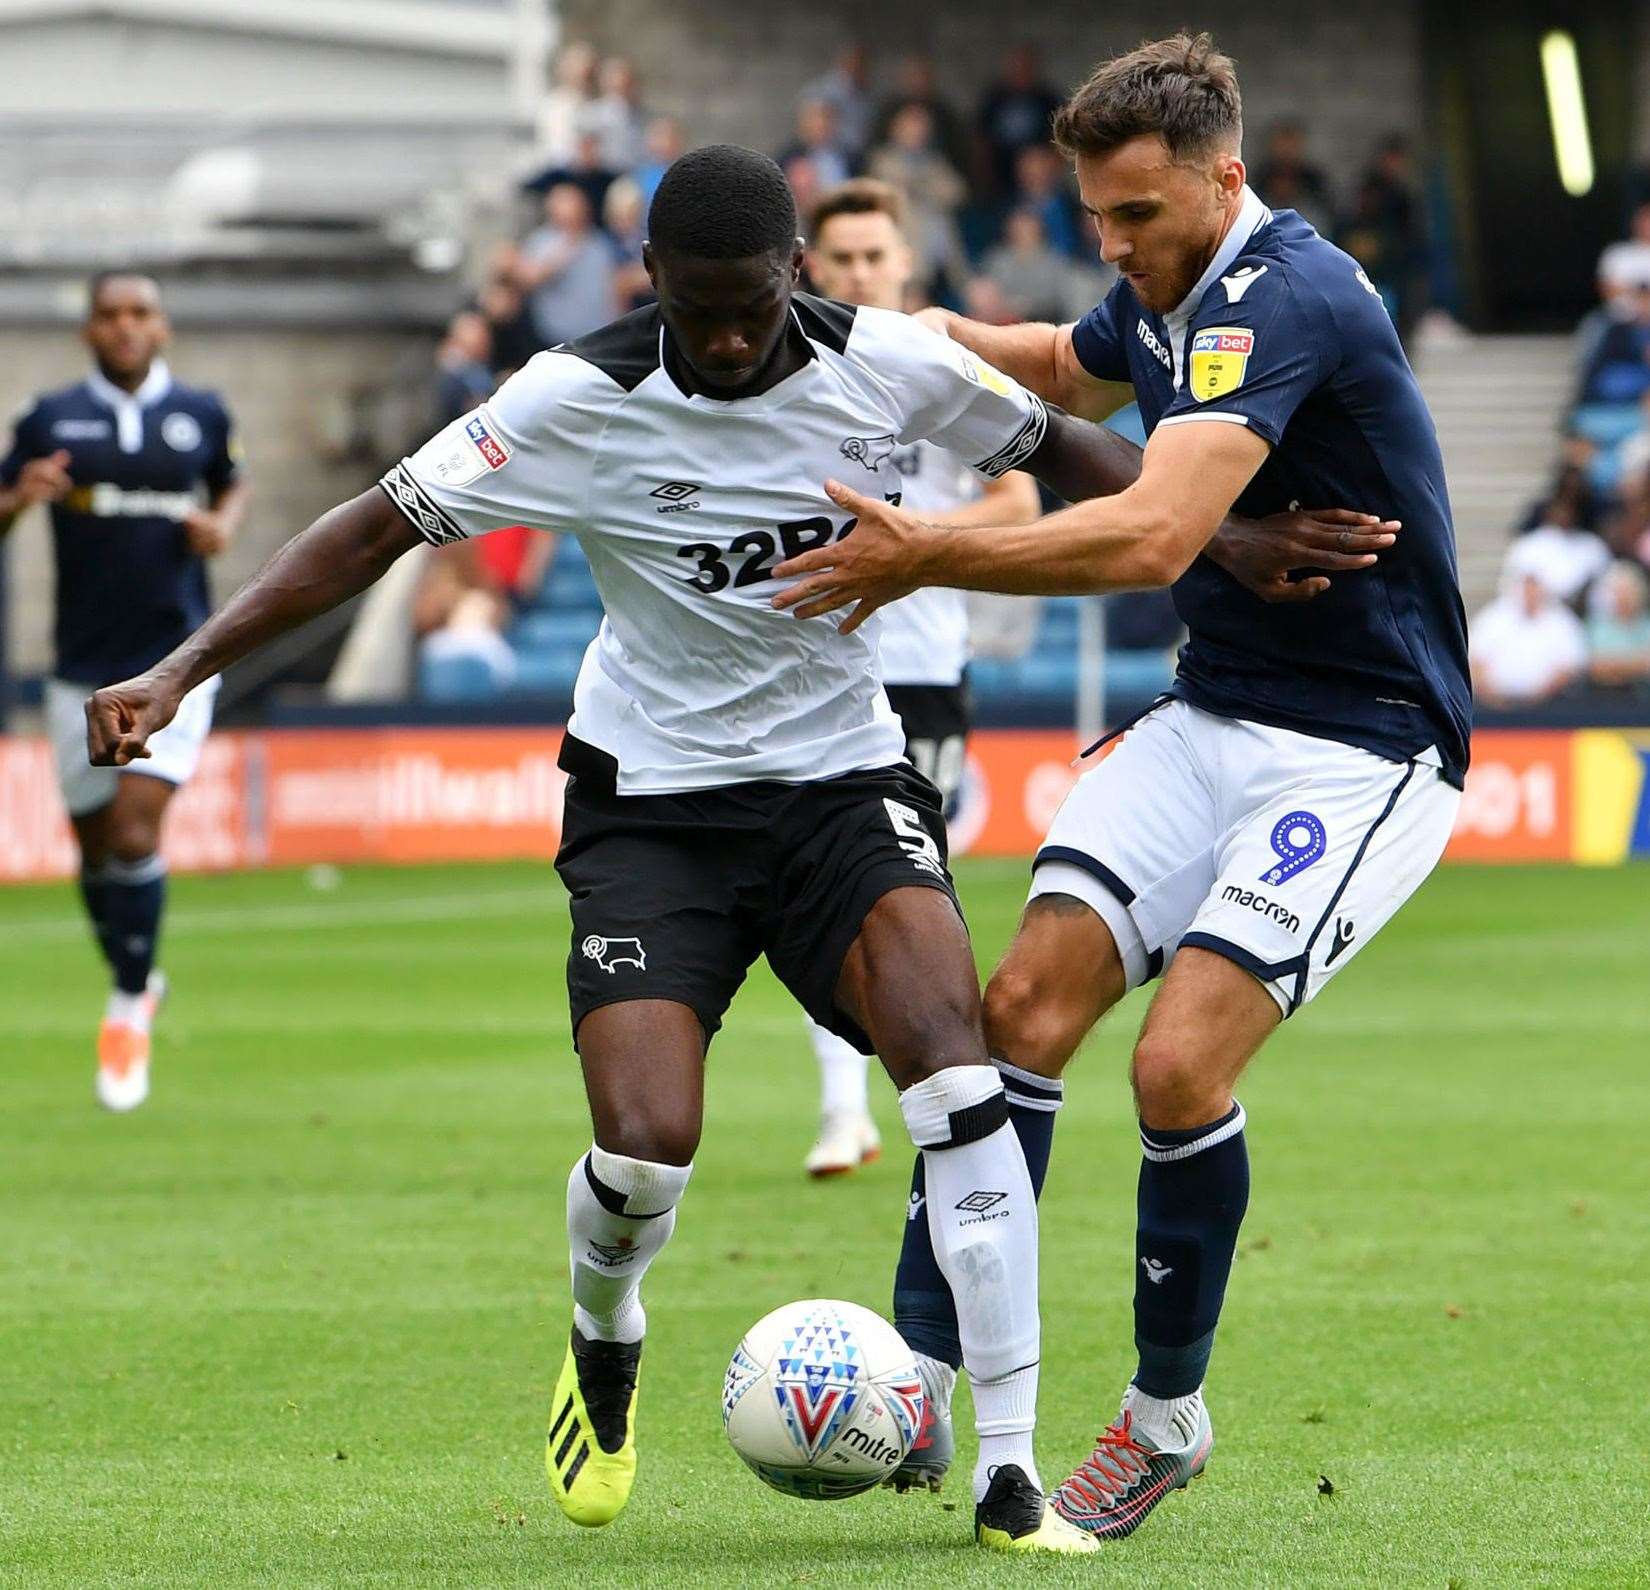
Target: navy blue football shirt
128,587
1286,335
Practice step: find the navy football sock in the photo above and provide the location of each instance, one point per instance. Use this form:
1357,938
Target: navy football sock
134,902
1194,1189
94,890
925,1313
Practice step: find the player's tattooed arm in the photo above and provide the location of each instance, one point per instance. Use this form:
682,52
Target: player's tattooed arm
1078,461
338,557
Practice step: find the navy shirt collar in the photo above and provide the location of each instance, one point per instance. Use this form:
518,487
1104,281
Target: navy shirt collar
1252,215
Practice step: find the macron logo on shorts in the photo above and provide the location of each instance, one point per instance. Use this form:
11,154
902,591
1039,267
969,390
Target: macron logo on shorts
611,954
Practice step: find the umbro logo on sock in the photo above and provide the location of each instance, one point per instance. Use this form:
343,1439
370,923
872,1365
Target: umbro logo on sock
1156,1271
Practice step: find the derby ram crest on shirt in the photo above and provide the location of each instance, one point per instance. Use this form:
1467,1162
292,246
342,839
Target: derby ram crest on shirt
1220,356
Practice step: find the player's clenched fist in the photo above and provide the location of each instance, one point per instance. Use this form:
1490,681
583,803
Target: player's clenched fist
45,479
120,718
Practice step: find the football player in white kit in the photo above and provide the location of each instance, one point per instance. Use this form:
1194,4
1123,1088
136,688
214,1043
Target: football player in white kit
738,785
859,254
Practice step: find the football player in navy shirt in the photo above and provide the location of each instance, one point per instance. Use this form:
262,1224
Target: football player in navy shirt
140,476
1257,828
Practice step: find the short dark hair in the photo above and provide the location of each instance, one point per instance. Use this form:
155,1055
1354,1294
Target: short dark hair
1182,89
722,202
96,283
858,196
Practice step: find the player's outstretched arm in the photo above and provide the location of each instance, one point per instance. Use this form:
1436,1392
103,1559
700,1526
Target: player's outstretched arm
1141,537
1079,461
338,557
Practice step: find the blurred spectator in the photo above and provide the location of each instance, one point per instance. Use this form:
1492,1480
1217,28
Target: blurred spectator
1526,646
1287,180
1383,233
567,107
914,85
1619,369
625,219
1573,483
1040,186
664,144
1034,280
617,117
566,269
464,372
912,161
504,307
846,89
584,171
985,301
1633,456
1561,554
818,141
1618,629
1625,265
1015,112
459,617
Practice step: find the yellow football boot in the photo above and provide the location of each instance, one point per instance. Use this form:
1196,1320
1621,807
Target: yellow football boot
590,1448
1013,1516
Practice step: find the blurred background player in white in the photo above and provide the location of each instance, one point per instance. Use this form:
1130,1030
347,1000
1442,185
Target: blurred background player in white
860,254
141,479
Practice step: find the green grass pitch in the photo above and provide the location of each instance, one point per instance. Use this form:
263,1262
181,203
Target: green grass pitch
296,1321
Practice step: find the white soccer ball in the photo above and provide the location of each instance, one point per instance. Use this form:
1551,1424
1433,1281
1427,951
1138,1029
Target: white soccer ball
822,1399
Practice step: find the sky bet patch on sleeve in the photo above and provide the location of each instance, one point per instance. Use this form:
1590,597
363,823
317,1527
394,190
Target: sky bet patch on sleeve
463,453
1220,355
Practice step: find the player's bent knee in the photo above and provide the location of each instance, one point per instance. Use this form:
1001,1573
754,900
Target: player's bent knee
1173,1086
1031,1021
638,1134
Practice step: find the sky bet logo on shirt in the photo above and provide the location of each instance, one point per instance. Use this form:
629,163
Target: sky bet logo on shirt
493,452
1220,355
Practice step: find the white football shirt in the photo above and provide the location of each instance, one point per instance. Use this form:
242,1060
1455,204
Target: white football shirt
685,503
925,635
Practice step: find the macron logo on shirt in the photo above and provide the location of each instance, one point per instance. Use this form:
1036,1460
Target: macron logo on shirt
1154,345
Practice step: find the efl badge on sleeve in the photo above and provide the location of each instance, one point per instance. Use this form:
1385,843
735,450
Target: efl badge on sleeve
1220,355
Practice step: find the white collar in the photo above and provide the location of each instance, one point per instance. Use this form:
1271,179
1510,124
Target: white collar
1252,215
129,406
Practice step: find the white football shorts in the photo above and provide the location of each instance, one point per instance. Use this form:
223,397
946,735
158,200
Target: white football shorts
174,752
1281,851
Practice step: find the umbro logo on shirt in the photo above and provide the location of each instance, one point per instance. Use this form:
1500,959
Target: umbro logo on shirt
674,493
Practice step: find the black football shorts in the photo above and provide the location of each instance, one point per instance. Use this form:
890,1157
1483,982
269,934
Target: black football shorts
674,896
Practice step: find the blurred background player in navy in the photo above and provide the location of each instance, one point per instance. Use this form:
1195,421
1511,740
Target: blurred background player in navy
860,252
139,473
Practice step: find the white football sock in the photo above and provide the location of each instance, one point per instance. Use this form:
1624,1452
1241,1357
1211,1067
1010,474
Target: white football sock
1005,1414
620,1214
843,1070
1167,1423
128,1010
982,1219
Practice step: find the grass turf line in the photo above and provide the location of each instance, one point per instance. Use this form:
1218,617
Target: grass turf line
297,1320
